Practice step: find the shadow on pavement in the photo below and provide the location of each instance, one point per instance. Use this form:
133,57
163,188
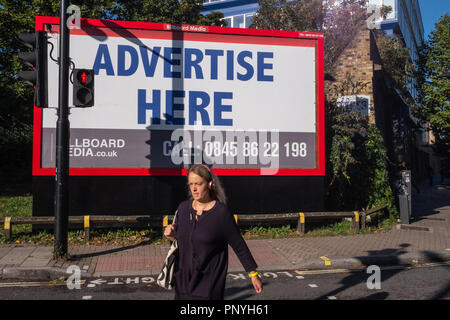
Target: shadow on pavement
377,296
354,279
238,293
429,200
100,253
445,291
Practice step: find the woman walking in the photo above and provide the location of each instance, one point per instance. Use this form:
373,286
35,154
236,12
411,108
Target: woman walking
204,229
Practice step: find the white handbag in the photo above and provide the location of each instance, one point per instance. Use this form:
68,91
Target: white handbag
165,278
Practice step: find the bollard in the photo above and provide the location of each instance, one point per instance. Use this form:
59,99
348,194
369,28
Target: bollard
301,223
165,223
87,228
8,231
404,208
356,221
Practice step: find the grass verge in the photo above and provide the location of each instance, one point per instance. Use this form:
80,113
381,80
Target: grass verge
21,206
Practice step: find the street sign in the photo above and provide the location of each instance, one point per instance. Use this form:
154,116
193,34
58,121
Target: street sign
358,103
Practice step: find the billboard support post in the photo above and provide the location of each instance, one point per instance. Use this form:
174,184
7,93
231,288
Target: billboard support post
62,141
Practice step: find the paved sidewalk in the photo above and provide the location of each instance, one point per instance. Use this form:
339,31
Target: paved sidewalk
425,240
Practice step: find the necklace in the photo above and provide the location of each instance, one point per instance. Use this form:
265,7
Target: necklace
199,211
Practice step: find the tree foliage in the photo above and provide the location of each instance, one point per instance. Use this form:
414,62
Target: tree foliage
167,11
434,85
358,163
338,20
290,15
398,64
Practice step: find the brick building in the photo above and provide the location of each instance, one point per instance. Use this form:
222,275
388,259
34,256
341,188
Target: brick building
360,69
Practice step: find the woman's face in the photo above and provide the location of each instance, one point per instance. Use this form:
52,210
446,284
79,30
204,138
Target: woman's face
198,187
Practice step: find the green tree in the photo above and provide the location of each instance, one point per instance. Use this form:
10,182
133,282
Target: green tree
338,21
378,190
358,163
347,130
289,15
166,11
434,85
398,64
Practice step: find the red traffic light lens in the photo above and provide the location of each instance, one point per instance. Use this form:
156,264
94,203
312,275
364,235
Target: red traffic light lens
84,77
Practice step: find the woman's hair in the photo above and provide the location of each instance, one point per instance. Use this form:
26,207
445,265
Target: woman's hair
216,192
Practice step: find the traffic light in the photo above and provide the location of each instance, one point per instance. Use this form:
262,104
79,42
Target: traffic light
38,60
83,88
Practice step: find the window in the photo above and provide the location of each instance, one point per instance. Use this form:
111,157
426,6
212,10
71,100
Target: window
229,21
248,20
240,20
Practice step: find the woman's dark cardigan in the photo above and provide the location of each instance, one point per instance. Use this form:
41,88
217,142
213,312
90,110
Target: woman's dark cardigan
203,251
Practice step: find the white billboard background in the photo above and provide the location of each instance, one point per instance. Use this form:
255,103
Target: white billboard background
285,105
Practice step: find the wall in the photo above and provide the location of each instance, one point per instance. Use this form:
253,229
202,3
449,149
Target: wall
356,61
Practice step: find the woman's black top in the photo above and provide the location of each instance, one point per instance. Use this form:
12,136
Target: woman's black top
203,251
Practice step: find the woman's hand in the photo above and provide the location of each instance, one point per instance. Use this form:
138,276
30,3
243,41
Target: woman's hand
170,232
257,284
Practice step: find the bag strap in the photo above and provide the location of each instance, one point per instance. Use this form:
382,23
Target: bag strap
175,217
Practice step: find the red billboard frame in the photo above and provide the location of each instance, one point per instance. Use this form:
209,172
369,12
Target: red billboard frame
191,32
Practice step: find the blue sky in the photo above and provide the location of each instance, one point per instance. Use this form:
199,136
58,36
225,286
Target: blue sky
432,10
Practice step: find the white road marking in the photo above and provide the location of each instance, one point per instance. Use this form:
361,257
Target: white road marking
312,285
35,284
332,298
87,297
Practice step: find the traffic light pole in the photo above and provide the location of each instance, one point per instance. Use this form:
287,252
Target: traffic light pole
62,141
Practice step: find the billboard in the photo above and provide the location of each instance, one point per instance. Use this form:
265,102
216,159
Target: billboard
244,101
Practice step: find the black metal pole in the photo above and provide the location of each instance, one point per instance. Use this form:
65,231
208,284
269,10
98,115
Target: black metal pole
62,140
